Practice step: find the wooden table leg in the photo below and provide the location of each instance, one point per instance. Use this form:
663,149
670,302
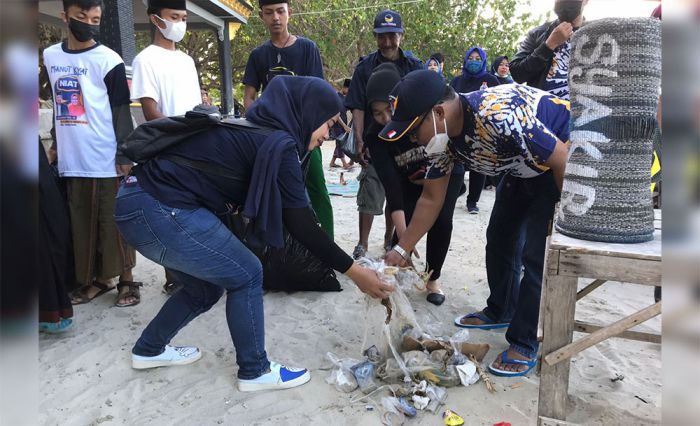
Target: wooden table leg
558,307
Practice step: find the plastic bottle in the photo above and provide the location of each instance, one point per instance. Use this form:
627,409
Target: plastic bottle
484,86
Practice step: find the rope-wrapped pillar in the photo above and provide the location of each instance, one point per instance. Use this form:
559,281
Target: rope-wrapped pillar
614,78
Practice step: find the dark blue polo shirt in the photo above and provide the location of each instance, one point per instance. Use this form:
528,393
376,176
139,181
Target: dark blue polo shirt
356,98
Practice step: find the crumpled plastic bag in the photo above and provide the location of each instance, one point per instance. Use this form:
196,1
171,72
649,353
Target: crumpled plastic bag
456,341
341,376
467,373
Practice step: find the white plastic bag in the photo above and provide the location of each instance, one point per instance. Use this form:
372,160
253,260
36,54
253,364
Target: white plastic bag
341,377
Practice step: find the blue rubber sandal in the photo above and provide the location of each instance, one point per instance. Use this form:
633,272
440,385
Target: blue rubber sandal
489,325
505,359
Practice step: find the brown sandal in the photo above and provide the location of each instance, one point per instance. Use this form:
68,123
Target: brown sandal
82,293
133,292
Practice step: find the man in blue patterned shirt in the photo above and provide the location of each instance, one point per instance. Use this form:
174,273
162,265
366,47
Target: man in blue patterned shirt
511,129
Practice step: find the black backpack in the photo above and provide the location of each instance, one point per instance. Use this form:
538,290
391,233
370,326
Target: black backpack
292,268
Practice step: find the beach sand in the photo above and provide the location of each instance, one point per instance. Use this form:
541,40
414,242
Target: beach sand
86,377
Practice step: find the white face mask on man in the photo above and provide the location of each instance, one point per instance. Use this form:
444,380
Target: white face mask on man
173,31
438,143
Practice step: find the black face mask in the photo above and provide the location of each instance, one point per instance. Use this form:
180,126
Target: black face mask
568,10
83,32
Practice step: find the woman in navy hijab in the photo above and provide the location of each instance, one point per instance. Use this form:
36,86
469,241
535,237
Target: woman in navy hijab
474,76
172,214
474,72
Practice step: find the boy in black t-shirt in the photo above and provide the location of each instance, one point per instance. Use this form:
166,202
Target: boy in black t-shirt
287,54
283,54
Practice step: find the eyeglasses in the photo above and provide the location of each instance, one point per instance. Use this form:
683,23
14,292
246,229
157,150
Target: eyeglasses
413,134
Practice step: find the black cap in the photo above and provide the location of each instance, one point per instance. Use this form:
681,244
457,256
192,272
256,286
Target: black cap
167,4
416,93
262,3
388,21
381,82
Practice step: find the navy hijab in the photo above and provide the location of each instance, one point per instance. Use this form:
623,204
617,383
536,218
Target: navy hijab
296,107
494,70
482,71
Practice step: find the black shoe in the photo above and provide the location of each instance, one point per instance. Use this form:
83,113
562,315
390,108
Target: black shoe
473,209
436,298
170,287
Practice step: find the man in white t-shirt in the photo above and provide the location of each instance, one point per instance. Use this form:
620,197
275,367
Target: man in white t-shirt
91,115
165,79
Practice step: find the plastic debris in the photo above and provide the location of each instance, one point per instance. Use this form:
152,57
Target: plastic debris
406,408
420,402
364,374
341,376
451,418
413,365
373,355
502,424
467,373
391,415
437,397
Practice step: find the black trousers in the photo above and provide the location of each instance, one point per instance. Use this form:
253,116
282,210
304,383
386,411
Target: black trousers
476,184
440,234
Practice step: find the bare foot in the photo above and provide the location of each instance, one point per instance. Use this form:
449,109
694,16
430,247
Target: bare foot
433,286
516,368
472,321
125,300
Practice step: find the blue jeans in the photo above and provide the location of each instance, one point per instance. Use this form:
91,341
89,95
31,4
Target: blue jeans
207,259
516,237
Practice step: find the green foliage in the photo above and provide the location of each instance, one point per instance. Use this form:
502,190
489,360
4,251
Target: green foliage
447,26
342,35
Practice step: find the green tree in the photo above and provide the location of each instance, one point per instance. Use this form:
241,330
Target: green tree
343,30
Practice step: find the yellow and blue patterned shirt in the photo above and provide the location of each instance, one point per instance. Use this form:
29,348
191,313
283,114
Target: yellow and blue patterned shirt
509,128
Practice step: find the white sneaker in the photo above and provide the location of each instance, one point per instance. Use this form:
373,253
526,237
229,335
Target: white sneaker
279,377
172,355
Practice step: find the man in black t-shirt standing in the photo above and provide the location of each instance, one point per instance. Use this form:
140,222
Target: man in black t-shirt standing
389,32
287,54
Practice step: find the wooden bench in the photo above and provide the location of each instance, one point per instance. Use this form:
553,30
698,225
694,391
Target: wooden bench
567,260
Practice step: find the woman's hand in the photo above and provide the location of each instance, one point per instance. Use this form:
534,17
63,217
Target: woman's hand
369,282
393,258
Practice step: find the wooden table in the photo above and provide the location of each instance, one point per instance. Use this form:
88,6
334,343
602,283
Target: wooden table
567,260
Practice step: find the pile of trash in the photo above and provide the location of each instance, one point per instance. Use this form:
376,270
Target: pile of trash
403,367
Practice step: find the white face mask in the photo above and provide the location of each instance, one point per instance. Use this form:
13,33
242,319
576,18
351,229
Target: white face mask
438,143
174,31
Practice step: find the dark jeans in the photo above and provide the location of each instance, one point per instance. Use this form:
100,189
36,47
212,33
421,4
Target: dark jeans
476,184
440,234
516,236
207,259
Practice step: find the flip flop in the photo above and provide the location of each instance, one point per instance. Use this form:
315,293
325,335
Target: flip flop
507,360
82,293
489,325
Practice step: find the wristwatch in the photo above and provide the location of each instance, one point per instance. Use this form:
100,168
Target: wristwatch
406,255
